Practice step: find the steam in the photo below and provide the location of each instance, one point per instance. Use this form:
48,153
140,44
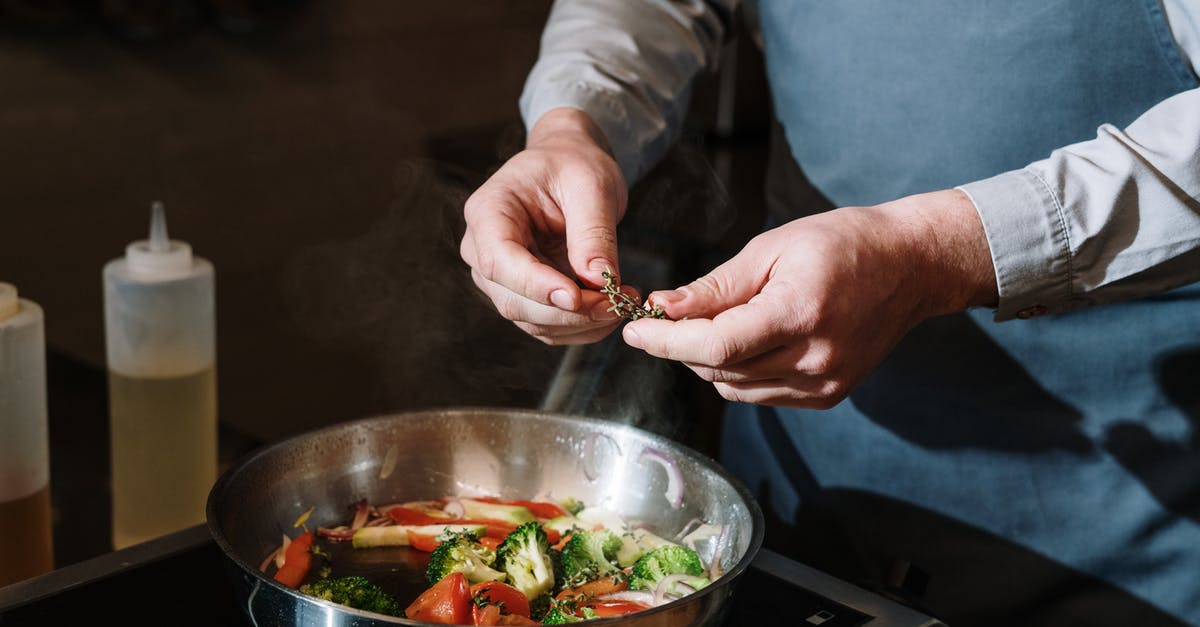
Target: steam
399,296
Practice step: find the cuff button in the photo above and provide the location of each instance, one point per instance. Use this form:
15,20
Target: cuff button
1032,312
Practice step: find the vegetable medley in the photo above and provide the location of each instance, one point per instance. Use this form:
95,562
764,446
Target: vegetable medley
511,562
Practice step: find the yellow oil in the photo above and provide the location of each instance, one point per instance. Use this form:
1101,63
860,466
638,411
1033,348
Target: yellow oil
164,452
27,549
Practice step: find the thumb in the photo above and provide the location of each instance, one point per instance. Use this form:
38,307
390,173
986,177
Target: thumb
731,284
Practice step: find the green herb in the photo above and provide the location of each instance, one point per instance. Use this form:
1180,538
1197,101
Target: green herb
624,305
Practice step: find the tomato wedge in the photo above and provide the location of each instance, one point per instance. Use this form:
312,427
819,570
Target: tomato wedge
485,614
447,602
296,561
497,593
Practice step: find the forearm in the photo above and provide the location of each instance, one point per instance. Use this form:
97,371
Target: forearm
1113,218
630,65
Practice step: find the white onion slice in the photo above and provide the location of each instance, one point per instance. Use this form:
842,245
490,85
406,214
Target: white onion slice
641,597
714,567
455,508
703,532
674,492
389,462
281,552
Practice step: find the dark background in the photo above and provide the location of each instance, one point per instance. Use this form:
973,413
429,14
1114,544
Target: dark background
318,153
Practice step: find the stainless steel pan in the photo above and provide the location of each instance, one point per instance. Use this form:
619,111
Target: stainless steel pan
499,452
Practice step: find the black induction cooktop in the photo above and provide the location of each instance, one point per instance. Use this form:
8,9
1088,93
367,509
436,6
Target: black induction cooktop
180,580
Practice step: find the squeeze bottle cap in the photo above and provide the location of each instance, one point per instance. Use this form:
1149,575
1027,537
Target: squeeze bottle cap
9,305
159,256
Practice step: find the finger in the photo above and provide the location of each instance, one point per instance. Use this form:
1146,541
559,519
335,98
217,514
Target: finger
590,336
733,336
502,254
518,308
781,363
728,285
779,393
591,209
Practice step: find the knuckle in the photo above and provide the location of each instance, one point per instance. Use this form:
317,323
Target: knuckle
717,350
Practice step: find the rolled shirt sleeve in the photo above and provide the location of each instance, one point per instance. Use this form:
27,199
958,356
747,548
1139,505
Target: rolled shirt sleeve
630,65
1105,220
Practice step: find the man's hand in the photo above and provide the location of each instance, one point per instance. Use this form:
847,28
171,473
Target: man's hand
546,218
805,311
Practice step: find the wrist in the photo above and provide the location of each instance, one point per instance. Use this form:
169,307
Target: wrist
946,238
567,124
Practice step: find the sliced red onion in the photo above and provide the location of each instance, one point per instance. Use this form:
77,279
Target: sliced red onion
262,568
688,528
662,594
361,511
337,534
589,453
641,597
714,567
674,491
382,521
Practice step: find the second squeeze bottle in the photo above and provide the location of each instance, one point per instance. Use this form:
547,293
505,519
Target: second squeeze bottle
160,335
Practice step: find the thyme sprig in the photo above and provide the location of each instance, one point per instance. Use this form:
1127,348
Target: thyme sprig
624,305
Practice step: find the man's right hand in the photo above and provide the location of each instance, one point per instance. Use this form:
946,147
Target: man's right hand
545,219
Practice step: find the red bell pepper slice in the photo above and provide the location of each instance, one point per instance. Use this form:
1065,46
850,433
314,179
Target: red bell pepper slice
296,561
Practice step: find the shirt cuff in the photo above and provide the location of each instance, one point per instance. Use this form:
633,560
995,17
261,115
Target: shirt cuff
1029,245
607,111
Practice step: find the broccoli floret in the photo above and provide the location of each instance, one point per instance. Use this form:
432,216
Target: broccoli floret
462,553
556,616
588,556
572,505
356,592
670,559
525,557
563,613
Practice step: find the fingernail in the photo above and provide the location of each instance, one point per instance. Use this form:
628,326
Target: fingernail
669,296
631,336
562,300
600,265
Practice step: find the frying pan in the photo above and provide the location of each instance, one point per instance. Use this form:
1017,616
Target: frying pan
505,453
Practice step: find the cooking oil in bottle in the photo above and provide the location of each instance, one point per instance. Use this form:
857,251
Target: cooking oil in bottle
26,548
160,332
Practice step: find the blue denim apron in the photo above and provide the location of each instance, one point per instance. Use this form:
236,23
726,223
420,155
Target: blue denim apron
1035,472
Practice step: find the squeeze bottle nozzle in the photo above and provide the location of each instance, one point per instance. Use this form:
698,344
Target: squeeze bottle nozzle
159,256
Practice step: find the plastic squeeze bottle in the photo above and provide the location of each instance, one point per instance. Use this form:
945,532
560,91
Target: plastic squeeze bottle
24,443
160,334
